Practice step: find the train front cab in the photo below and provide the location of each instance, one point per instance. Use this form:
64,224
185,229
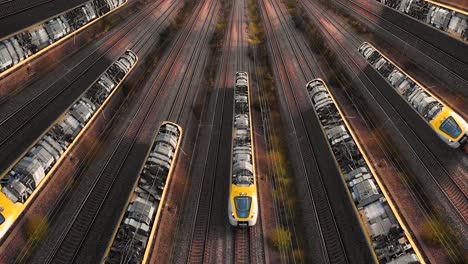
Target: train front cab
451,128
244,213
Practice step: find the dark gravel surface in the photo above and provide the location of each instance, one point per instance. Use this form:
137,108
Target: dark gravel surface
19,14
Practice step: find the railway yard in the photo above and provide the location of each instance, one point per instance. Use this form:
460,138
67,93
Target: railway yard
233,131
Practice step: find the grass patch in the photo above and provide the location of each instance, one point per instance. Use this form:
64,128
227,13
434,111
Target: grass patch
283,239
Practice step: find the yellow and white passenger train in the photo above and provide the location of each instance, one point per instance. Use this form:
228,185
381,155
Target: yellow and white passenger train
19,184
243,204
448,125
134,237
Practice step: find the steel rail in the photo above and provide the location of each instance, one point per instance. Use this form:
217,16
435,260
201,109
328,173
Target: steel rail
318,72
328,230
204,198
357,43
177,54
192,61
23,8
268,131
242,245
166,73
273,163
35,193
177,95
243,242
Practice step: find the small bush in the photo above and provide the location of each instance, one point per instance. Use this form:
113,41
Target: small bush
280,239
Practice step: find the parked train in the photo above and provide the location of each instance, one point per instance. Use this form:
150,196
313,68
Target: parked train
388,238
447,20
21,182
449,126
25,44
243,204
133,238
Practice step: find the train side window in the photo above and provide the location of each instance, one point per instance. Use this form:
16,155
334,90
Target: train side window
2,219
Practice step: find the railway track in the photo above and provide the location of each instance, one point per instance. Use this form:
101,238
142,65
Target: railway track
330,240
199,250
431,167
247,248
56,97
208,210
71,238
242,245
11,7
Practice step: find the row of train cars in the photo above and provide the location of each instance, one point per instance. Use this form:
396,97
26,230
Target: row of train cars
27,43
444,18
388,236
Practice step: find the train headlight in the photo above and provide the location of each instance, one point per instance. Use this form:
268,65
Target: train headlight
232,214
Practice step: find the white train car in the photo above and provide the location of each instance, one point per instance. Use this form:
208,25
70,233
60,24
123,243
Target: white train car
243,203
448,125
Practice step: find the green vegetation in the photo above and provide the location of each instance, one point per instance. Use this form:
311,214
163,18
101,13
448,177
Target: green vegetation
36,228
280,238
283,239
217,39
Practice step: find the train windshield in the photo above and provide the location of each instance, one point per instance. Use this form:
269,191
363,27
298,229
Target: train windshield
450,127
243,206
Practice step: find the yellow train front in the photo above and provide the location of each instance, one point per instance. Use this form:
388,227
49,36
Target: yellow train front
244,201
243,204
